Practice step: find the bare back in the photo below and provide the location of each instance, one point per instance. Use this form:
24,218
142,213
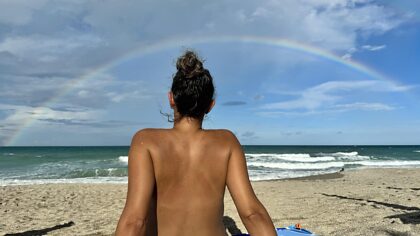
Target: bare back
190,171
177,180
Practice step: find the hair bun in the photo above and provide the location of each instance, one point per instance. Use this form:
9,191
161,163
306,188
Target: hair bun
190,65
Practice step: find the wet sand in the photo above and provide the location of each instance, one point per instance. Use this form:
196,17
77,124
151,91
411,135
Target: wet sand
362,202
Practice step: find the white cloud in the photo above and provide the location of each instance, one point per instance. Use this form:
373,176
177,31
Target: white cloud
364,106
83,35
347,56
23,113
53,48
374,47
96,92
329,24
327,95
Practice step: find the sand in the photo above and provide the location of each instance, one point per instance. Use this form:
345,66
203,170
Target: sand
362,202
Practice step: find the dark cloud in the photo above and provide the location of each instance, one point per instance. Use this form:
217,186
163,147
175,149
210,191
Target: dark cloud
68,108
249,135
258,97
292,133
234,103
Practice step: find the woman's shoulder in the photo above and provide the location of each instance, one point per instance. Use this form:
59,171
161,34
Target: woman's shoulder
225,132
149,133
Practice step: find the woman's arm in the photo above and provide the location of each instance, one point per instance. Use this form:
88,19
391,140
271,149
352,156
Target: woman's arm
141,183
252,212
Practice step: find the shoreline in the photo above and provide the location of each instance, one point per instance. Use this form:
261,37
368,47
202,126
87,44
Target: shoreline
368,201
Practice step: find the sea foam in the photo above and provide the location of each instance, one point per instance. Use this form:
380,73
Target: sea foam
298,166
292,157
123,159
390,163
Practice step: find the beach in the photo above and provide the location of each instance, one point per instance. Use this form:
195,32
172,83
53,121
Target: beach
356,202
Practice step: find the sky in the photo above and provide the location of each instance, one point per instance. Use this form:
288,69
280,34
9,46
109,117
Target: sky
287,72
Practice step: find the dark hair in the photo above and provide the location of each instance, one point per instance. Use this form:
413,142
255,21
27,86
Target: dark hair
192,86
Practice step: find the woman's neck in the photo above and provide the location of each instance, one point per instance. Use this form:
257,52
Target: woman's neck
187,124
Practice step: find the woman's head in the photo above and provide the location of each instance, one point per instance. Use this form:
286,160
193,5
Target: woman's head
192,87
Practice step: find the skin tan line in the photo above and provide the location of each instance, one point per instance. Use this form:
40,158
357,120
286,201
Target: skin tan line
177,179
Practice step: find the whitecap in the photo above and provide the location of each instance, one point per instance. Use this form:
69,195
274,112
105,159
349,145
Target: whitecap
393,163
298,166
123,159
87,180
345,154
293,157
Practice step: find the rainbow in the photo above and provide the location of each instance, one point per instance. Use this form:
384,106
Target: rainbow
148,49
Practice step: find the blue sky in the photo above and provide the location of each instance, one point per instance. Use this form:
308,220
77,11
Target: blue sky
94,72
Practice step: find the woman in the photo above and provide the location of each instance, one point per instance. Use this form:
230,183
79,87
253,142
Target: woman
177,177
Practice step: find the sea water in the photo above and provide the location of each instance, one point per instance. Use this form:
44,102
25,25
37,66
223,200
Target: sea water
36,165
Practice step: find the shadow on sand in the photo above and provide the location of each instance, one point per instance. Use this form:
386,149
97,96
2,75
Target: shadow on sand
229,223
38,232
406,218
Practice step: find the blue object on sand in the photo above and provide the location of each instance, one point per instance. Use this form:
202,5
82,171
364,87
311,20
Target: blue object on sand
289,231
293,231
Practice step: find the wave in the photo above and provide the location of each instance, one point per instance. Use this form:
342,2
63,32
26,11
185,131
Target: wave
393,163
293,157
298,166
123,159
108,172
91,180
329,165
351,154
416,151
305,157
353,158
8,154
297,155
287,174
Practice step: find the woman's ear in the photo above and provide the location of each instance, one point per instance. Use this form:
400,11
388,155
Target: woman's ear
171,99
213,102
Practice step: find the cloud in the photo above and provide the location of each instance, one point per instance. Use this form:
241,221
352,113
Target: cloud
258,97
97,92
19,12
90,123
21,115
249,135
234,103
291,133
50,48
364,106
327,95
372,48
24,113
68,39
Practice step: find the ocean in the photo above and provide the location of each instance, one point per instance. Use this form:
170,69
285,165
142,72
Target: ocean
108,164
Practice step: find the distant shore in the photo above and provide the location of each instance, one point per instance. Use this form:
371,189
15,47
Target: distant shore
355,202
